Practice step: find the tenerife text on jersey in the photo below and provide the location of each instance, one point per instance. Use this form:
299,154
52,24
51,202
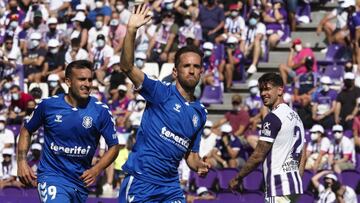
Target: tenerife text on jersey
76,151
175,139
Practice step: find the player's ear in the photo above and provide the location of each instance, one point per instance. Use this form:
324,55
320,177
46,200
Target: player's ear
280,91
174,73
68,81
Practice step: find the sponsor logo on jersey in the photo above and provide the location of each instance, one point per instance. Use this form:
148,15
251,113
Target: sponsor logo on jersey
177,107
77,151
170,136
195,120
87,122
58,118
266,129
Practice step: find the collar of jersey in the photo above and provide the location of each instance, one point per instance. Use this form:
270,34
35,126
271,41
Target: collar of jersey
181,97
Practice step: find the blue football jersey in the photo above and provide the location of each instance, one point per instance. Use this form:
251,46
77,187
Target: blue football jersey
71,138
170,127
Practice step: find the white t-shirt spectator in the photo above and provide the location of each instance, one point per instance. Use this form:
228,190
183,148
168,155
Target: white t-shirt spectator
207,144
98,56
249,34
350,195
56,4
30,14
124,16
8,172
341,18
82,54
6,137
345,147
325,196
324,146
93,33
235,25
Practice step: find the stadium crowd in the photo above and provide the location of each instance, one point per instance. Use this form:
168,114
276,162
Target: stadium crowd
38,38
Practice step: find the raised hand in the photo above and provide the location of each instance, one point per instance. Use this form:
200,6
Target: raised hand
139,16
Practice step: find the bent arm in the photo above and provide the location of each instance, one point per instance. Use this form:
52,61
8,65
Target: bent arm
194,161
23,145
302,161
109,156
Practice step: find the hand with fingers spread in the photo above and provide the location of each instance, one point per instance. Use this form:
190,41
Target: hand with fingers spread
204,168
139,16
26,174
89,176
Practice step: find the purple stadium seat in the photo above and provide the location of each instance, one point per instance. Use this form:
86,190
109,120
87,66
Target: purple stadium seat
12,191
225,175
306,198
336,53
304,9
307,179
102,200
307,135
350,178
334,71
348,133
229,197
15,129
32,192
357,162
212,95
329,134
253,181
252,197
206,201
208,181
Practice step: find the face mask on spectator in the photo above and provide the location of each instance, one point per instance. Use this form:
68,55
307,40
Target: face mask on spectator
114,22
298,47
139,63
234,13
314,136
100,43
120,7
140,105
54,50
187,21
338,135
2,126
15,96
254,90
53,84
7,85
99,4
34,43
188,3
252,21
52,29
169,6
348,83
14,24
98,24
207,131
29,111
325,88
207,53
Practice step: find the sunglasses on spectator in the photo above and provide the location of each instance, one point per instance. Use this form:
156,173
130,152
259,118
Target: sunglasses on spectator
337,131
235,103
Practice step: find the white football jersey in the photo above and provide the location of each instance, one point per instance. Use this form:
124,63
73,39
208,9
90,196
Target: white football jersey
284,128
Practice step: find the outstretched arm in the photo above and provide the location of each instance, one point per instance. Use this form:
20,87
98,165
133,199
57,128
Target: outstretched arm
138,18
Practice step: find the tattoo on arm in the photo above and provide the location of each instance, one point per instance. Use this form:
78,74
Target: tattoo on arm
24,145
256,158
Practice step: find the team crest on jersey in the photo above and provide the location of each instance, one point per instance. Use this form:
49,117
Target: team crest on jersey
195,120
266,129
87,122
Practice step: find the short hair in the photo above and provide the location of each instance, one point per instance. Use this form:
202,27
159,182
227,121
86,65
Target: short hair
100,15
75,42
15,87
236,98
79,64
271,78
187,49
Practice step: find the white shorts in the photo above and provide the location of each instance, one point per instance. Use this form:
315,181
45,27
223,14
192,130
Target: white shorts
281,199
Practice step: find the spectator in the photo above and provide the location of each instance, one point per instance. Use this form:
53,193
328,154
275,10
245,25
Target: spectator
208,140
253,40
254,104
355,127
17,109
345,109
238,118
55,33
117,33
99,29
124,14
234,25
36,7
7,138
226,153
137,112
296,61
75,52
100,56
54,85
190,32
317,150
163,44
118,104
275,19
325,192
8,170
34,158
342,152
14,10
117,77
34,59
187,6
344,193
3,107
55,59
79,29
140,59
211,18
13,29
119,162
38,26
202,193
100,9
233,61
11,50
58,7
323,103
213,61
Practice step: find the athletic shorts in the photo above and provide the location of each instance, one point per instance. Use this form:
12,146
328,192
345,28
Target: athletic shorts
134,190
58,193
281,199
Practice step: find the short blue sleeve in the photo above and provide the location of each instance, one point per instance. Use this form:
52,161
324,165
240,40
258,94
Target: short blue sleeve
106,11
196,145
36,118
236,143
154,91
356,20
270,128
107,128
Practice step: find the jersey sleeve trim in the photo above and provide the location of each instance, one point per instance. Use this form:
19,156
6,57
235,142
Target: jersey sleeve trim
266,139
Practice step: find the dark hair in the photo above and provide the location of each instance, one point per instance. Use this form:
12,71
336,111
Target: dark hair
36,92
100,15
75,42
80,64
15,87
272,78
335,186
187,49
8,37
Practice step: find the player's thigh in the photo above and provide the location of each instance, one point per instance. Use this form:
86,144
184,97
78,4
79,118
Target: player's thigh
281,199
51,193
134,191
172,195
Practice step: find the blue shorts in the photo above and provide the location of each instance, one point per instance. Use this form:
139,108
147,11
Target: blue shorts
59,193
134,190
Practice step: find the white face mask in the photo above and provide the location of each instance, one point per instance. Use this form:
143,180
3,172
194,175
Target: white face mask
207,53
326,88
207,131
120,8
187,21
53,83
314,136
338,135
114,22
15,96
98,24
54,50
188,3
254,90
34,43
7,85
100,43
99,4
139,63
14,24
234,13
298,47
140,106
2,126
169,6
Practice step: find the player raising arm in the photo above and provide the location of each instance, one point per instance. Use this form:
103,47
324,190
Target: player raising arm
171,126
